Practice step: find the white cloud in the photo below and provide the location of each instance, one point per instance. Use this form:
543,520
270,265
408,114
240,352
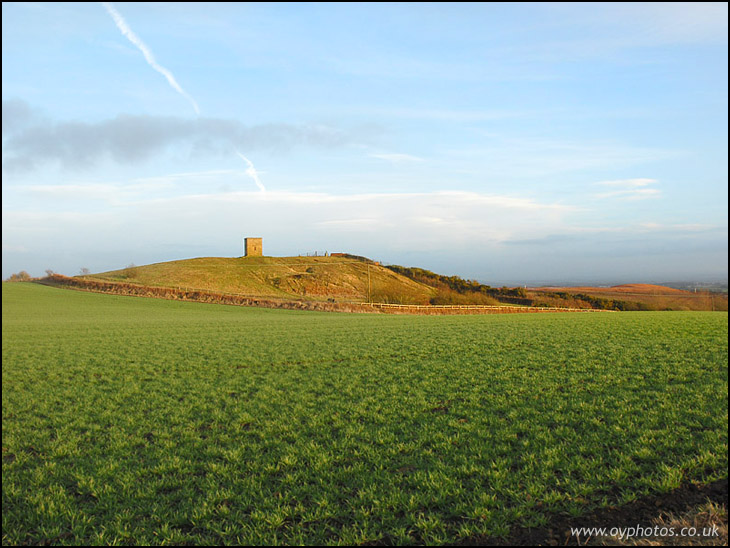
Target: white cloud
199,175
628,183
397,158
358,223
496,237
672,22
633,194
529,157
629,189
445,115
369,224
678,227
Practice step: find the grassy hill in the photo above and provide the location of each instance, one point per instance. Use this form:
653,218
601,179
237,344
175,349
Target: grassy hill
313,278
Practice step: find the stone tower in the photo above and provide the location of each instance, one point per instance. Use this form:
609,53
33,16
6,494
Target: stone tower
253,247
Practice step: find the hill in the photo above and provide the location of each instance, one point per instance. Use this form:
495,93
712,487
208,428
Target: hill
341,279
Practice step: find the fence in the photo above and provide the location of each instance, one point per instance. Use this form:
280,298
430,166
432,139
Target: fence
471,309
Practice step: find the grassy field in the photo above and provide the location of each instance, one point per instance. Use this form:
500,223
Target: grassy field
143,421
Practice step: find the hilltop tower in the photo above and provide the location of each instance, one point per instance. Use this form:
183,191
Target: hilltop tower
253,247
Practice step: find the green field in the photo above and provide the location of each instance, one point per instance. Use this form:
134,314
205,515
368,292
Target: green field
143,421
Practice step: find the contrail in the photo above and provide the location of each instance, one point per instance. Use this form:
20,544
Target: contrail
126,31
251,172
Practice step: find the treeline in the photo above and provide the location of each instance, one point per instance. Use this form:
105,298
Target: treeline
581,300
457,290
21,276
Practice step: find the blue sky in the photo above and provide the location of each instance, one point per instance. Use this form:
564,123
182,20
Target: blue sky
511,143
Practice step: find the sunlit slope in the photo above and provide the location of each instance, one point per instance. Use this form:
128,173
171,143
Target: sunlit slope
317,278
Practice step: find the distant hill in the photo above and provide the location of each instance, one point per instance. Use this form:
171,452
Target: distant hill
312,278
639,289
633,297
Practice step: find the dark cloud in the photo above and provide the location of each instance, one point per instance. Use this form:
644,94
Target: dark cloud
16,114
129,139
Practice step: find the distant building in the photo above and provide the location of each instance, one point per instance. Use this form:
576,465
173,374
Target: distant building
253,247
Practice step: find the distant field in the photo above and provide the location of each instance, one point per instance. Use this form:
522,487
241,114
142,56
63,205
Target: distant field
637,289
653,297
143,421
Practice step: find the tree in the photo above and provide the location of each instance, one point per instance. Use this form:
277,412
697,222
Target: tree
21,276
